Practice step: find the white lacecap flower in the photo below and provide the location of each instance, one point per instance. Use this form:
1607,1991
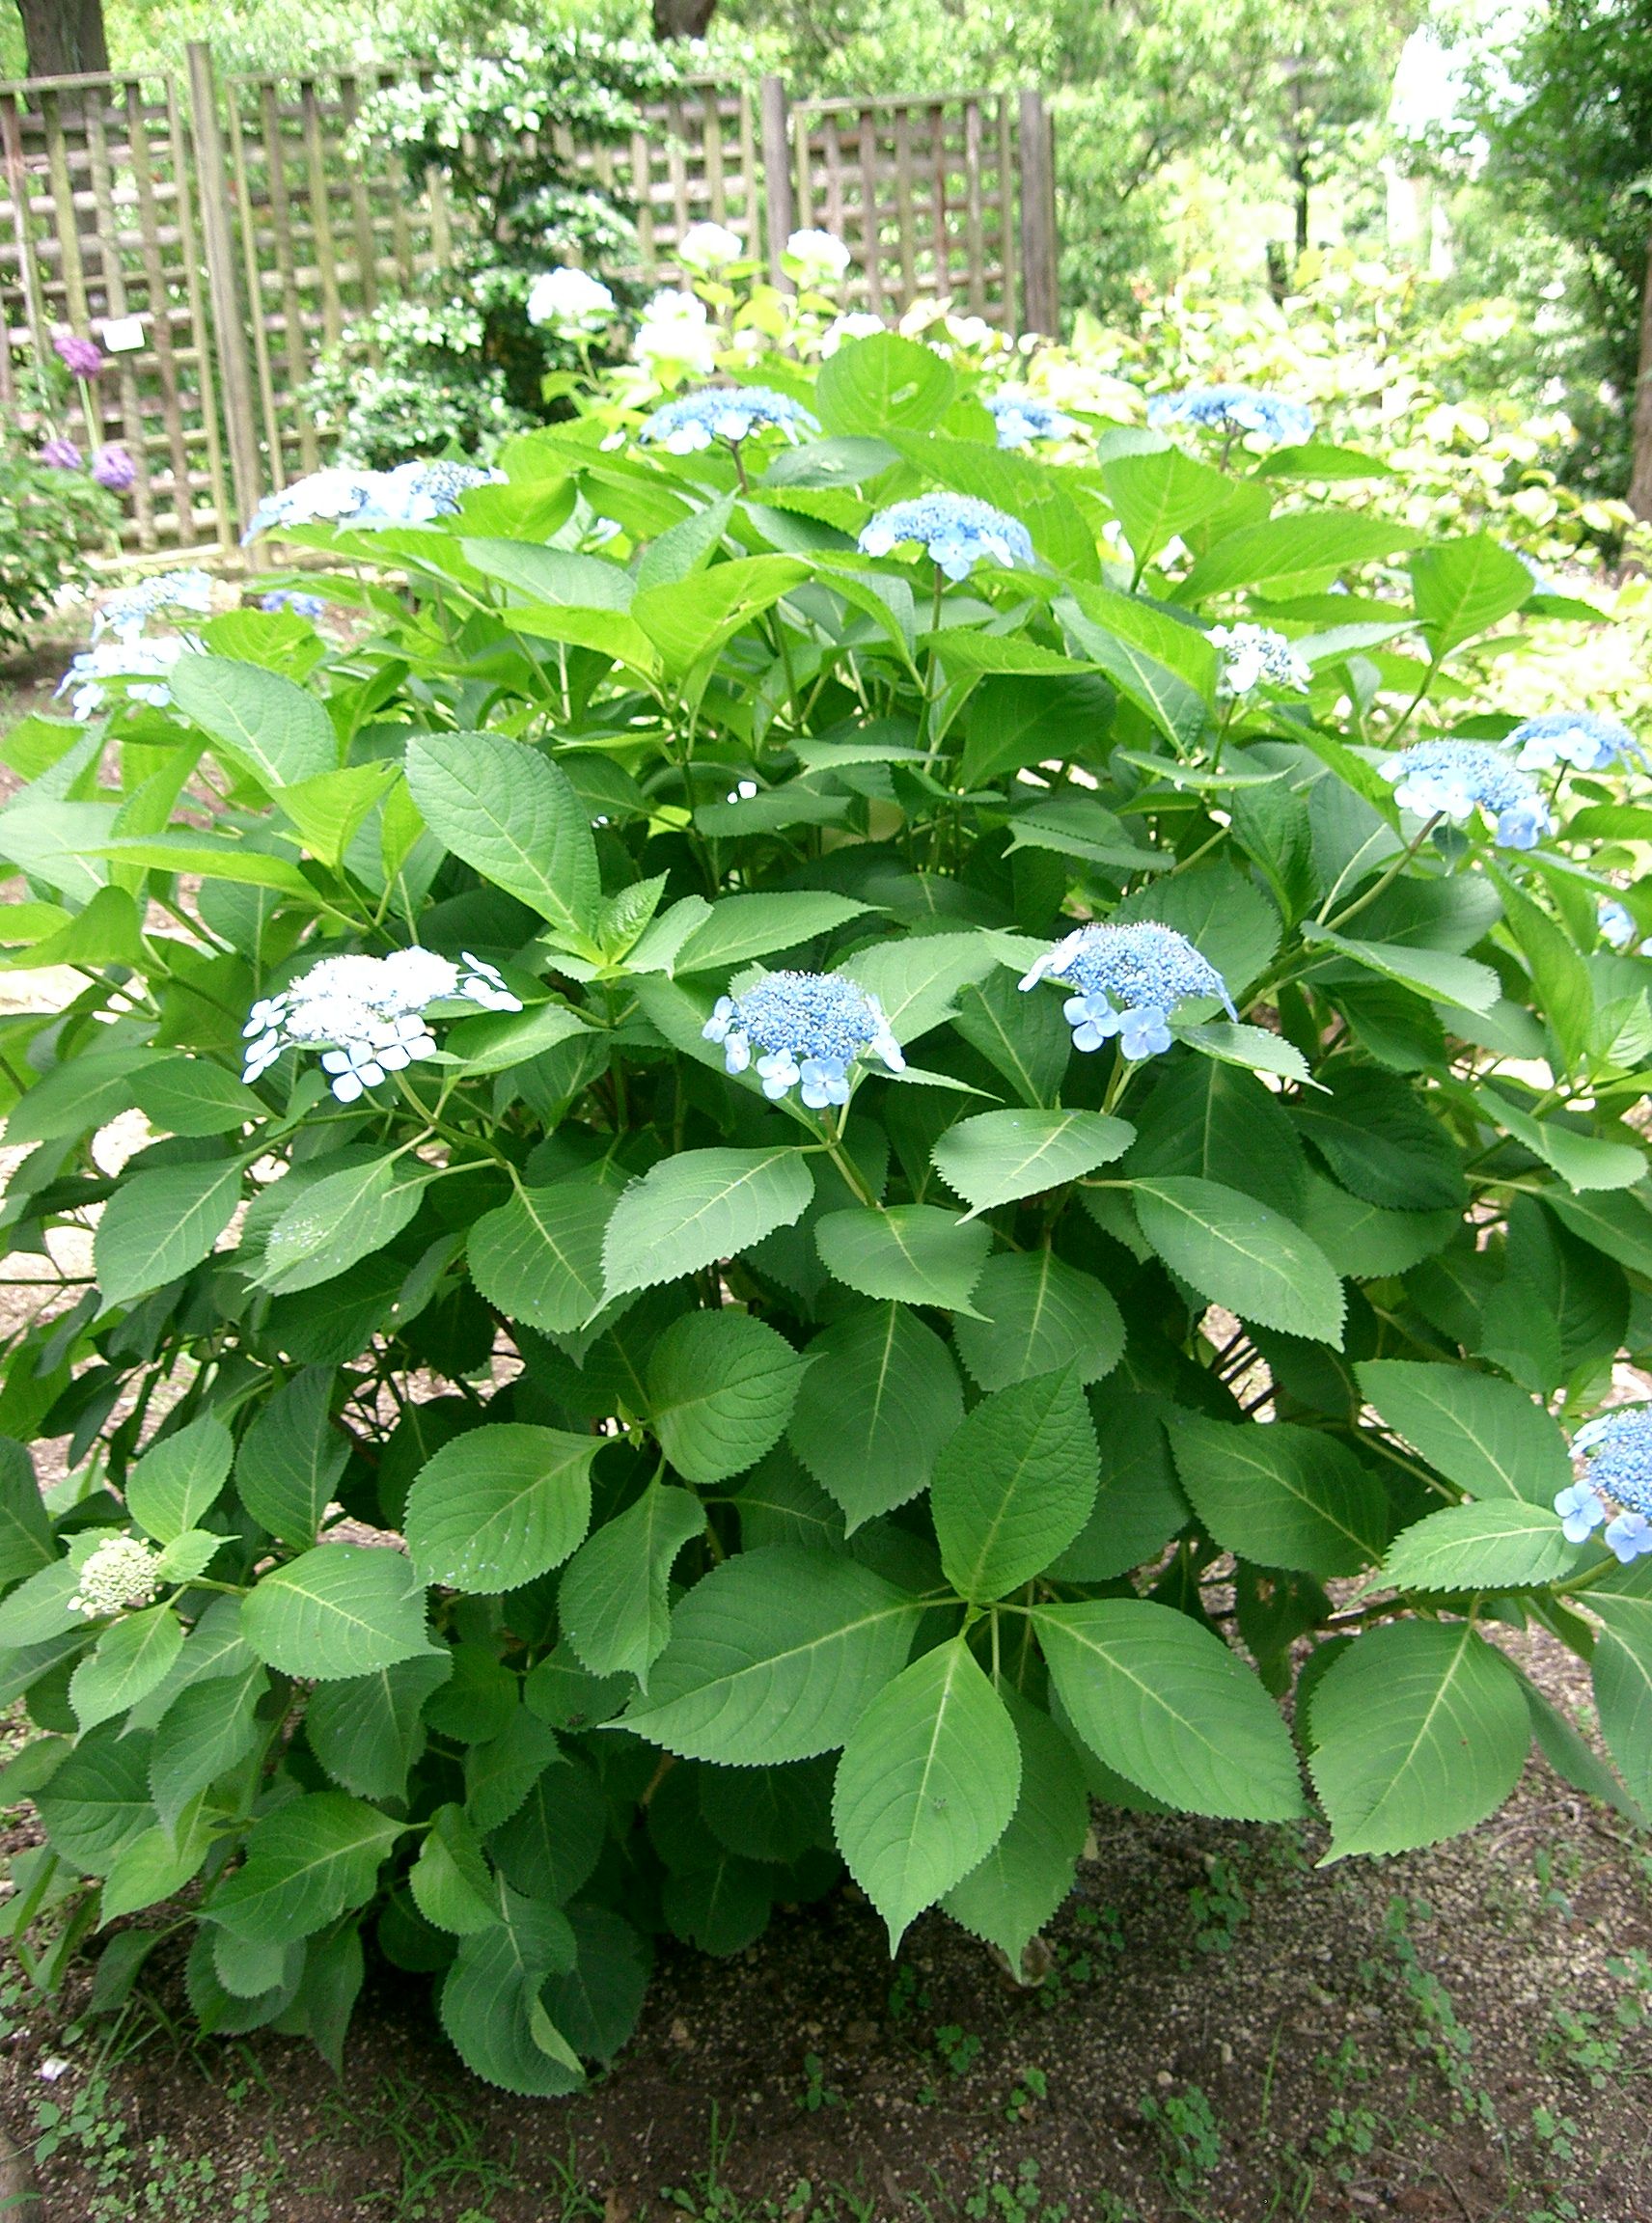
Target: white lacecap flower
128,610
367,1015
816,257
674,331
1254,653
809,1029
572,301
859,324
122,1572
141,665
1587,740
708,247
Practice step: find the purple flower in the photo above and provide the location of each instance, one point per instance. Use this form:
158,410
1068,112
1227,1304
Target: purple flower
83,357
113,467
60,453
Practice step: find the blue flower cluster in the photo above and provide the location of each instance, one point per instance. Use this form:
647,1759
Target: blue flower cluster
128,609
1617,922
1585,739
1618,1449
411,494
809,1028
732,413
957,529
289,598
1452,779
1021,418
1234,409
1129,979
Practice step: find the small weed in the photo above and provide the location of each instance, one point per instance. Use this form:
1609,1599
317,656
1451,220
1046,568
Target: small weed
1217,1906
1190,2138
1577,2041
957,2047
1556,1866
438,2147
1438,2031
1017,2203
130,2180
816,2092
1029,2087
1557,2134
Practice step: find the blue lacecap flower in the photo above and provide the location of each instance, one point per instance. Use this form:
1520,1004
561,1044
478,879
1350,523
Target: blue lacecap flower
290,598
1617,922
732,413
958,530
1020,417
1617,1448
412,494
1585,739
1234,409
1452,779
808,1030
1128,982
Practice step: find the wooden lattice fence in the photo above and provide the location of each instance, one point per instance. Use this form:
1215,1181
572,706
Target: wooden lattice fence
233,222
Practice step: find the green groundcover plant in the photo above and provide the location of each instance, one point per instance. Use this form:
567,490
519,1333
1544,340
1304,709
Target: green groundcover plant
847,1136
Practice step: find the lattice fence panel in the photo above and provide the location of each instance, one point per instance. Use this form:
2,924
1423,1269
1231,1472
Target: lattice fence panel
922,191
98,223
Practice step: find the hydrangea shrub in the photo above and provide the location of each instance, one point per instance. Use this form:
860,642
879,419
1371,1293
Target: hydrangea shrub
848,1136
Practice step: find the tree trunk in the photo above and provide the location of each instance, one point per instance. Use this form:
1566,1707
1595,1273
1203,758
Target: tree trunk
683,18
1640,449
64,37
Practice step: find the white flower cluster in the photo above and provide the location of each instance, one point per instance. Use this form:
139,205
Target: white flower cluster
367,1014
571,301
675,334
1253,653
121,1572
128,609
143,667
815,258
709,247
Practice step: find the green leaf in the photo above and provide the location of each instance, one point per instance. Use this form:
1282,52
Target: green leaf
1583,1161
77,1096
773,1657
691,621
1308,541
500,1506
513,815
1492,1543
1622,1687
1159,493
551,1845
742,927
926,1785
1030,1871
490,2002
1104,628
451,1881
1622,1227
98,1801
1023,1037
1166,1703
613,1598
1239,1254
1002,1156
877,1405
883,383
500,1773
1464,587
1485,1434
698,1207
1139,1504
539,1258
721,1389
1282,1497
208,1729
917,980
291,1458
178,1479
134,1654
193,1096
26,1543
307,1861
498,1040
341,1609
599,2004
1219,1124
365,1730
1014,1485
1381,1141
1034,1314
1419,1730
271,727
159,1225
1432,973
916,1254
343,1217
1364,1240
154,1867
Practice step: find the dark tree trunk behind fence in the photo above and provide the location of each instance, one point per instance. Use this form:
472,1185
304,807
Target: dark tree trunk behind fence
683,18
64,37
1640,451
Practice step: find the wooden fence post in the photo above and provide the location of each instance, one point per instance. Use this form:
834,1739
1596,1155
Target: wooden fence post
1040,281
229,328
779,207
